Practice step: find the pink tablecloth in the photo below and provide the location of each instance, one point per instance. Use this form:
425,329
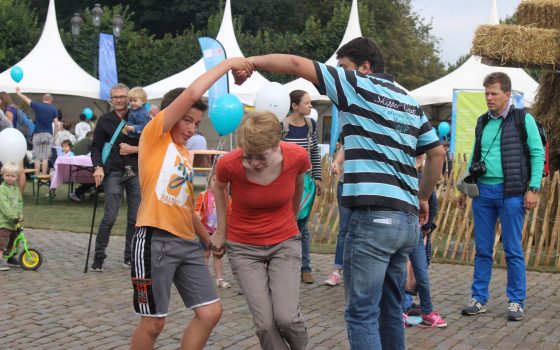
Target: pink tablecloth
72,169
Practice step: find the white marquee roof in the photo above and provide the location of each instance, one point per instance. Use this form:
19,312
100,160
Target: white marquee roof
226,36
470,75
48,68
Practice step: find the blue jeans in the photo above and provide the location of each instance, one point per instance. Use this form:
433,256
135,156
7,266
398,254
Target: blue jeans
305,245
490,205
420,268
344,214
114,191
377,247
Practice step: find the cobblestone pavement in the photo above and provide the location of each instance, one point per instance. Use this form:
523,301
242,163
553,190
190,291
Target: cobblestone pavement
60,307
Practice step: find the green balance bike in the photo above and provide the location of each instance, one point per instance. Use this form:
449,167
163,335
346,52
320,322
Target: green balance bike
29,258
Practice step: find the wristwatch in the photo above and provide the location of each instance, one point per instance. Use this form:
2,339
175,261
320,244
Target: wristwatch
535,189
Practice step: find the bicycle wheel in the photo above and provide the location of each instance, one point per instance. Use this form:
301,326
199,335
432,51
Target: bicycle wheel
30,260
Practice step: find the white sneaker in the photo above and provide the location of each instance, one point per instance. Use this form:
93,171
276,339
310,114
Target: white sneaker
3,266
75,197
223,284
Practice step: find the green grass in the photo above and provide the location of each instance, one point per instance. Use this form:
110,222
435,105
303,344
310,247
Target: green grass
64,215
323,248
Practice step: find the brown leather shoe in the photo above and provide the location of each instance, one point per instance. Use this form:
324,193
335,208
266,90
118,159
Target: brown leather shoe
307,277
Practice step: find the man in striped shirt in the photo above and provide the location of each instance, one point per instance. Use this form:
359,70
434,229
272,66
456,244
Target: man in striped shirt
384,130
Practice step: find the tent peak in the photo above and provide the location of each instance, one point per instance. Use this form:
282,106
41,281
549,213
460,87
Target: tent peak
494,19
353,30
49,67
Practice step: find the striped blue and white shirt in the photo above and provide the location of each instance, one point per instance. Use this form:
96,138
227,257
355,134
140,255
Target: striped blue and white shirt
384,130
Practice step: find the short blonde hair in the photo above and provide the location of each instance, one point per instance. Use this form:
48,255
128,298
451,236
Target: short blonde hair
10,167
258,132
139,93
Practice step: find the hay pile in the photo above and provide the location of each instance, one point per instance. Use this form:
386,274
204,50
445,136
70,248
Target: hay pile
539,13
517,45
534,43
546,109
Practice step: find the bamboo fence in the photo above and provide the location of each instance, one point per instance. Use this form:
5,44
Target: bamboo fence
453,239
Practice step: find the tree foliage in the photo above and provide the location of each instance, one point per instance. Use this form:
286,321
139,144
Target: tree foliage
159,38
19,32
460,61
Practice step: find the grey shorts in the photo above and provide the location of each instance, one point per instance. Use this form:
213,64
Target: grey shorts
42,145
160,259
5,235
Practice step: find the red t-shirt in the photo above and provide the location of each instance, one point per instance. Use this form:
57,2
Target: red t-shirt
262,215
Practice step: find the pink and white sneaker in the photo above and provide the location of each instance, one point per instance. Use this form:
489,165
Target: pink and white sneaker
333,279
434,320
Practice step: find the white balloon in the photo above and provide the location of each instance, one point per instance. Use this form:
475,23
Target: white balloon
12,146
314,114
273,97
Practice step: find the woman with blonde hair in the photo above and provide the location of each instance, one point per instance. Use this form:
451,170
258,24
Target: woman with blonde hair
263,239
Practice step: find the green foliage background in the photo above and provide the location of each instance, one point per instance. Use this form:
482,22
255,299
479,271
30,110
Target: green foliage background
160,38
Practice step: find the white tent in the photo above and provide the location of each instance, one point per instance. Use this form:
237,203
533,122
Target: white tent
48,68
352,31
470,76
226,36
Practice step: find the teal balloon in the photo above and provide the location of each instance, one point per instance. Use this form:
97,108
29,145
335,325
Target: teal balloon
88,113
443,129
16,73
226,114
147,106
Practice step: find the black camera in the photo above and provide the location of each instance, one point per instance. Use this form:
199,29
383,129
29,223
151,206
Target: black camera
477,169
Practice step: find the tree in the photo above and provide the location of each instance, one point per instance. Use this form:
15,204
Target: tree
141,58
462,59
19,32
155,48
411,52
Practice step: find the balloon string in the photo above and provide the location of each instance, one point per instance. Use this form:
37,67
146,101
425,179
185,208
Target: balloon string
221,145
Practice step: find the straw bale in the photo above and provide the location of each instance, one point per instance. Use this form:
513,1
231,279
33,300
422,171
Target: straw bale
525,46
539,13
546,109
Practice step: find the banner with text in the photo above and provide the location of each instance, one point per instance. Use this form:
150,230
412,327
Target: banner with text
467,106
107,65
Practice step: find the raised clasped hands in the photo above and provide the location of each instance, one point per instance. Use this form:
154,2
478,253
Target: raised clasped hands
242,69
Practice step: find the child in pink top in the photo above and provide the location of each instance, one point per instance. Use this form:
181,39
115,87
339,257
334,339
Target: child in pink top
205,209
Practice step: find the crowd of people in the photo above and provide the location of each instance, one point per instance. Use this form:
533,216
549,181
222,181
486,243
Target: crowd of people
388,163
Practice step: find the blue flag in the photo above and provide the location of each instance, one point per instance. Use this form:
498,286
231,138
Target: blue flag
214,53
107,65
335,130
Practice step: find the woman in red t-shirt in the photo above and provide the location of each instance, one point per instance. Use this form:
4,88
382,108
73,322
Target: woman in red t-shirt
263,240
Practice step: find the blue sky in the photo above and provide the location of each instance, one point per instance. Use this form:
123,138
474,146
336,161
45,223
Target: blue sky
454,21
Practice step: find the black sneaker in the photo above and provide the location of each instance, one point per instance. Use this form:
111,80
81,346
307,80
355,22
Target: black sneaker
474,308
12,262
97,266
515,312
127,262
128,173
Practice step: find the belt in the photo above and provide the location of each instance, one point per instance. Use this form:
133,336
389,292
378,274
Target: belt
373,208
